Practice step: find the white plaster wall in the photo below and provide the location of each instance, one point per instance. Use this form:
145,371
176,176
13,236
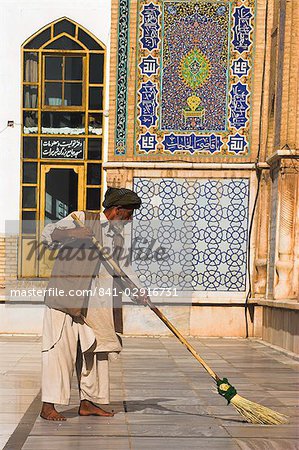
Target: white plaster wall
19,319
205,321
19,19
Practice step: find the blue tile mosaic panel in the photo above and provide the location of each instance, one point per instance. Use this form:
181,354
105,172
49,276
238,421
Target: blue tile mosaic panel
194,82
201,224
194,73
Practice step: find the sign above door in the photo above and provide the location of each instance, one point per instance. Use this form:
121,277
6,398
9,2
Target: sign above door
62,148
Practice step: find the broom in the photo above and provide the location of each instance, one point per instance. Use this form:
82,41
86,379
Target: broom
252,412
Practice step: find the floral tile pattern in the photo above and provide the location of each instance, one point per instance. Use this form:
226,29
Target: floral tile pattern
194,77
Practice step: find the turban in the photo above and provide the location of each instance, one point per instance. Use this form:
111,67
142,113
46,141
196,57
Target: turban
121,197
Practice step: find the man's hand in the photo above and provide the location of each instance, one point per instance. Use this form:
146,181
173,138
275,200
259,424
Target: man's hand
82,233
141,297
75,233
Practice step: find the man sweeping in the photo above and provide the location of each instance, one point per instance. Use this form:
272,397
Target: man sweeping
83,312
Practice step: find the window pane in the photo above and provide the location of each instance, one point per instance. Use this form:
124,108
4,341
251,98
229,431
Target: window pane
73,68
93,174
63,123
94,148
30,122
53,94
61,193
88,41
29,197
73,94
30,97
95,121
64,43
53,69
64,26
93,198
29,147
40,39
30,67
96,98
29,172
96,68
28,222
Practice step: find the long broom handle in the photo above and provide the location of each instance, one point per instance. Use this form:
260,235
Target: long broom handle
154,308
184,341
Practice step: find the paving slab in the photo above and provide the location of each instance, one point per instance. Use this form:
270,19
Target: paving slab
170,443
267,444
76,442
249,430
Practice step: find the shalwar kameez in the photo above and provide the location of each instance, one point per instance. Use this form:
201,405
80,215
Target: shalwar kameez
96,335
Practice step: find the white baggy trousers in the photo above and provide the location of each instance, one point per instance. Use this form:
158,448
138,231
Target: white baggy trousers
58,364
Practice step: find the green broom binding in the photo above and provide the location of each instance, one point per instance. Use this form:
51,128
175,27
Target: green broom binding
250,411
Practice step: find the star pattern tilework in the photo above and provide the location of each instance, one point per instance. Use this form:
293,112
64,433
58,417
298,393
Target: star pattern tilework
202,224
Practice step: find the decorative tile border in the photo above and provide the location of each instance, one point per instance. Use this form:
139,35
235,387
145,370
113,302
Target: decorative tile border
203,226
122,77
205,108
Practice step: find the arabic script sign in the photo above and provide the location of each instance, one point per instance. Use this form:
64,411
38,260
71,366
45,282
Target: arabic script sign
62,148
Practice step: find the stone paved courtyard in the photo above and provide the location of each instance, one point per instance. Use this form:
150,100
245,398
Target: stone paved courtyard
162,397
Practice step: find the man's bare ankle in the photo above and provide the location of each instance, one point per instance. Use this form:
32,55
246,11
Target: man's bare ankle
85,404
49,412
48,406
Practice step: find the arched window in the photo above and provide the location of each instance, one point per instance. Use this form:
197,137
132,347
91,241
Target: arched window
62,130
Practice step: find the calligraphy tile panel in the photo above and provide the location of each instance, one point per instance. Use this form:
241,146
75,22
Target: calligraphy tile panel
194,77
202,226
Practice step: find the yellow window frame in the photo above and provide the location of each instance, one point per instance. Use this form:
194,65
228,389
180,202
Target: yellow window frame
85,85
35,270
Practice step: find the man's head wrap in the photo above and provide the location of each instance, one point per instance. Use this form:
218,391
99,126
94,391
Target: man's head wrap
121,197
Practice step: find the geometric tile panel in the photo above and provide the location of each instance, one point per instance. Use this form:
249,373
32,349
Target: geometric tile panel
201,224
122,78
194,71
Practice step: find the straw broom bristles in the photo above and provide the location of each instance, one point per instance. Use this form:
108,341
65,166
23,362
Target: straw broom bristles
251,411
256,413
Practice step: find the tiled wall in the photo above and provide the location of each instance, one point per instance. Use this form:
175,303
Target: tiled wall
202,224
194,64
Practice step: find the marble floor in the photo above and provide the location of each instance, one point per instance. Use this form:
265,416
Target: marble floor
162,398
